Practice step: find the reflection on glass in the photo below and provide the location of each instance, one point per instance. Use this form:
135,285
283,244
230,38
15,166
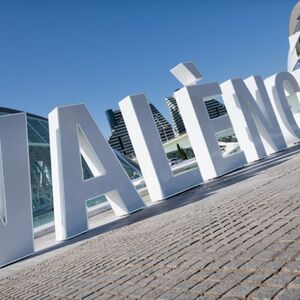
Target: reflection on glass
40,169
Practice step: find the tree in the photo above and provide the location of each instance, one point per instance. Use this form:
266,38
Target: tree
181,153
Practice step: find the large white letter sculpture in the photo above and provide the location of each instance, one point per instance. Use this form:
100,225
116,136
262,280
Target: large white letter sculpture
253,118
16,230
201,130
73,133
278,85
160,181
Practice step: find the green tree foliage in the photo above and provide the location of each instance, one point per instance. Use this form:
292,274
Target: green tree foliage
181,153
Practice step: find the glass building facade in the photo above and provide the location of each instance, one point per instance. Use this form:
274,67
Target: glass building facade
40,168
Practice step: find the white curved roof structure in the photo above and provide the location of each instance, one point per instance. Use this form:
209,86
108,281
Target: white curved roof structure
294,35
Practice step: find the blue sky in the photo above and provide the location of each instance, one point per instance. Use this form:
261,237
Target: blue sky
60,52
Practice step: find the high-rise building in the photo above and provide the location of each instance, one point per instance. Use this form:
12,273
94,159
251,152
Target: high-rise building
119,138
176,116
214,108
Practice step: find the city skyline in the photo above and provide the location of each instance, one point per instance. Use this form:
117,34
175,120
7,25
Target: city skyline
57,53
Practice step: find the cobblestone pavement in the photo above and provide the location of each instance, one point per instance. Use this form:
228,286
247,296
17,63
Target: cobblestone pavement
234,238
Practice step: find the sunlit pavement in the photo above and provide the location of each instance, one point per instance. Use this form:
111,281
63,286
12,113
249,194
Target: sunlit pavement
235,237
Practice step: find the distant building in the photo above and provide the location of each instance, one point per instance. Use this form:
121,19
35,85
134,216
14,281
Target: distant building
176,116
214,108
119,138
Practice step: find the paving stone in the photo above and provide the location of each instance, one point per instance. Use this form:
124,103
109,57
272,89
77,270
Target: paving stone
252,266
273,266
257,278
203,286
293,266
218,276
222,287
233,265
287,295
279,280
187,296
154,294
200,276
241,241
295,283
240,291
184,285
171,294
139,293
236,277
128,290
264,293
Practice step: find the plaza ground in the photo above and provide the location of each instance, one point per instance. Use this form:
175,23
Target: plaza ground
235,237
